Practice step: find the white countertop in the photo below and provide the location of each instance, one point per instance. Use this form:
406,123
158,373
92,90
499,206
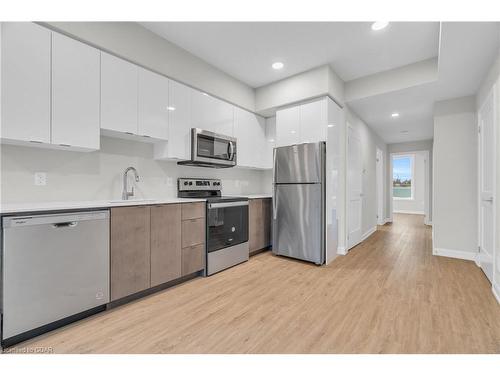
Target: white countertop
15,208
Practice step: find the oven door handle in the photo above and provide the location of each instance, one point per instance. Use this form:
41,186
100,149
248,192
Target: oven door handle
227,204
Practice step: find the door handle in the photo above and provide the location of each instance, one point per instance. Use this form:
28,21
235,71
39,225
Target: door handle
231,150
275,203
68,224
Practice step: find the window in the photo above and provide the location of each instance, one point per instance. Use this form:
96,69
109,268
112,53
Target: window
402,176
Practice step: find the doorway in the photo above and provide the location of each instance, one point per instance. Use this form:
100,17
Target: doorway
380,187
487,181
410,184
354,188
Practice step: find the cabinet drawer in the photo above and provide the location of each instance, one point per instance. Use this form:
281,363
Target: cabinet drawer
193,232
193,259
193,210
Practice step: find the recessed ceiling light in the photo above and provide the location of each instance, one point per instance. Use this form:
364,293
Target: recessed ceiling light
293,132
395,114
278,65
379,25
204,93
271,140
330,125
171,108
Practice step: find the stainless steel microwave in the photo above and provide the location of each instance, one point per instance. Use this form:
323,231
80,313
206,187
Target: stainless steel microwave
210,149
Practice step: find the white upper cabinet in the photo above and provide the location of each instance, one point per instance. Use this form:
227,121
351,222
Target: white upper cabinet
270,142
153,105
179,127
313,126
75,93
288,126
212,114
302,123
119,80
25,82
250,132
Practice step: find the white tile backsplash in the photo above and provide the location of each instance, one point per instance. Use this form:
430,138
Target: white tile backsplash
98,175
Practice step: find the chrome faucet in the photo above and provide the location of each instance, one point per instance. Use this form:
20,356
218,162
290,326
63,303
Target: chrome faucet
126,194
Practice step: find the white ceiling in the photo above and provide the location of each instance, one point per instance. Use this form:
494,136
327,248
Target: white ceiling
246,50
467,51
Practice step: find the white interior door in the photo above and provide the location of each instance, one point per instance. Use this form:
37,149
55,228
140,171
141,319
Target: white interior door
354,188
487,185
380,187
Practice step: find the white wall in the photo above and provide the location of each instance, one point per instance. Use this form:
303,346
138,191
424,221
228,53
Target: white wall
369,143
417,203
455,177
412,147
98,175
137,44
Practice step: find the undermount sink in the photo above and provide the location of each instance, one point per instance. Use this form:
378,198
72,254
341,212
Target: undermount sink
131,200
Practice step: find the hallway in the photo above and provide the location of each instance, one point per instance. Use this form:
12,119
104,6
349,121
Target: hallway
388,295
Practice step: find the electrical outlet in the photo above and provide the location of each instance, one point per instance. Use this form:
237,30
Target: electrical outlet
40,179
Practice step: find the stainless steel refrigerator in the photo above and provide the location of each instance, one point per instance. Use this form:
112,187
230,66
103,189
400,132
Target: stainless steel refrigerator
299,202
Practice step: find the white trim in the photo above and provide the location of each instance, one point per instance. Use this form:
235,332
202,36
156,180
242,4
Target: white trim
341,250
458,254
409,212
496,291
380,169
388,220
368,233
427,222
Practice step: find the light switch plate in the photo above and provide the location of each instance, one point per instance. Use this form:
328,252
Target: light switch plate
40,179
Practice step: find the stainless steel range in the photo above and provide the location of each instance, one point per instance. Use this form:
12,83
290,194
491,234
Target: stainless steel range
227,222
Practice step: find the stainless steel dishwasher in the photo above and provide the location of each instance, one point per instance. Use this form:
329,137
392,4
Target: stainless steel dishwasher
54,267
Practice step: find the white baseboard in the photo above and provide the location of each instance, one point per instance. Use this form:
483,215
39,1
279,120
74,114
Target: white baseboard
368,233
388,220
496,292
429,223
408,212
458,254
341,250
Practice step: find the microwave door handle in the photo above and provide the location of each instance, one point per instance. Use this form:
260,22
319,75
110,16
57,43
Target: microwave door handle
231,150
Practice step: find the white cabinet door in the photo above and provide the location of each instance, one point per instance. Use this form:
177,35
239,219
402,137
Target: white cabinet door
288,126
250,131
212,114
153,105
270,142
25,82
118,94
179,118
313,118
75,93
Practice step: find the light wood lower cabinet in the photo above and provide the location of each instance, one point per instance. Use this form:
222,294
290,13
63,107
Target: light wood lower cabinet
259,224
193,237
165,243
152,245
130,250
193,259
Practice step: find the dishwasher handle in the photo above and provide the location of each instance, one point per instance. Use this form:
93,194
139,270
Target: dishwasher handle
67,224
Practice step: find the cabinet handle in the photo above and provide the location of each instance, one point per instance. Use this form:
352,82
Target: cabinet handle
129,133
33,141
64,144
146,136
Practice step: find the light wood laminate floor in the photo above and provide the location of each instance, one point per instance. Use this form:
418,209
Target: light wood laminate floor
388,295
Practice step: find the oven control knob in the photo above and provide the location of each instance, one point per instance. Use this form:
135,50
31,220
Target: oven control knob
190,182
185,182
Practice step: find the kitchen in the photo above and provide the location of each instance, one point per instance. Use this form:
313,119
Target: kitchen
129,184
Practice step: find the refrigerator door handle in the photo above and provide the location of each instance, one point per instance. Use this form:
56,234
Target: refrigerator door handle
275,203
